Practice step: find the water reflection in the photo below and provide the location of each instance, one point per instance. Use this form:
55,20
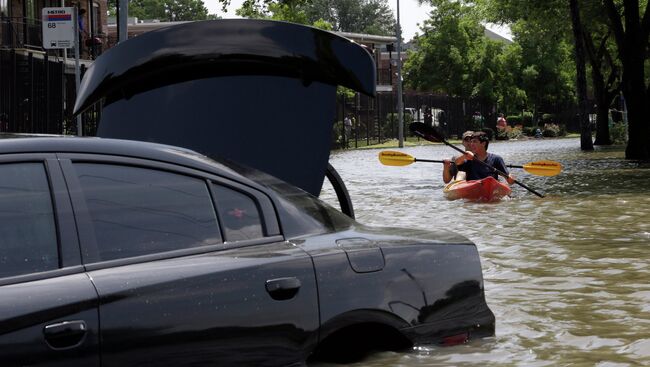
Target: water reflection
566,276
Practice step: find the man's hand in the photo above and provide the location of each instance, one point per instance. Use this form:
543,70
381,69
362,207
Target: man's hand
510,179
465,157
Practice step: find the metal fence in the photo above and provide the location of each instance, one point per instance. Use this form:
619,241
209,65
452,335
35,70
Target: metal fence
375,119
37,95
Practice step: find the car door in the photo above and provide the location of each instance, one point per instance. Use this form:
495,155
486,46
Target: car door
191,269
48,305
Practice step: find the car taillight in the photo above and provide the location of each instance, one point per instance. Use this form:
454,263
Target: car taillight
448,341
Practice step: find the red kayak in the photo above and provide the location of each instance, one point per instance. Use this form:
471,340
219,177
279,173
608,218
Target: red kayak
487,189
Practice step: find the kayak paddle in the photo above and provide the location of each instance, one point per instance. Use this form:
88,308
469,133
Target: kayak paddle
431,134
539,168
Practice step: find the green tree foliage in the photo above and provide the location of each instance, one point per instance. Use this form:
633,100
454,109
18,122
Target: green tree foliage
166,10
616,37
358,16
447,52
547,69
286,10
453,56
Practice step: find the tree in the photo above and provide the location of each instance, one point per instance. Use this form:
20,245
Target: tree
581,76
358,16
166,10
631,33
447,51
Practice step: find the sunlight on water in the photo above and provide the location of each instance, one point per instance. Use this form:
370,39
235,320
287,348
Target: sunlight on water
567,276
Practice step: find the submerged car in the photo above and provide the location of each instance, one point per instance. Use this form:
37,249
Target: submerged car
122,253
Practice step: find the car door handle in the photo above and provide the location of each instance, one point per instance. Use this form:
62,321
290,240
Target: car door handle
66,334
283,288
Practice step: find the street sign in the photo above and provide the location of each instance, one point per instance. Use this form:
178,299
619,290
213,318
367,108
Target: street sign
58,28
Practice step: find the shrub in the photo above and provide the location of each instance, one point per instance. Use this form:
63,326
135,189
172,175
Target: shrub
618,132
515,133
527,118
548,118
502,134
489,132
514,120
551,130
529,130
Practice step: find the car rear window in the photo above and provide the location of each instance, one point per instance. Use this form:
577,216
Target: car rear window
139,211
28,240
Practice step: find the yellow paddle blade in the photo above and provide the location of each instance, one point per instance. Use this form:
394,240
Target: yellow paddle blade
543,168
393,158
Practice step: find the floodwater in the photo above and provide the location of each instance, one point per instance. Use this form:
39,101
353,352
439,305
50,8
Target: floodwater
567,276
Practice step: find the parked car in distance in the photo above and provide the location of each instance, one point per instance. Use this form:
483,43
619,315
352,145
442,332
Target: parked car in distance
125,253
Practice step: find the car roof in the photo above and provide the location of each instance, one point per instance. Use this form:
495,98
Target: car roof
32,143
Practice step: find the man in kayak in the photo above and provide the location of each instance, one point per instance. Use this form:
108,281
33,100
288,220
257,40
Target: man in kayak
478,151
449,170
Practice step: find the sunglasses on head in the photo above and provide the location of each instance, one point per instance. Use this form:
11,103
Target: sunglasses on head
467,138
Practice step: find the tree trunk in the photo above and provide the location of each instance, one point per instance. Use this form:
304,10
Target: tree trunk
581,78
602,124
638,128
632,44
603,101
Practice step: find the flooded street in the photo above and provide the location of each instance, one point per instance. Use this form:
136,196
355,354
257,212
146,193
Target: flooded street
567,276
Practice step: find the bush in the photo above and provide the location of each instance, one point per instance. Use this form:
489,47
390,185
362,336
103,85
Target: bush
548,118
515,133
618,132
514,120
529,130
551,130
338,137
527,118
489,132
502,134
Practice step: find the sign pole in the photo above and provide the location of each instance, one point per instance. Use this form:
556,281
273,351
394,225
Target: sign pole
61,31
400,101
77,72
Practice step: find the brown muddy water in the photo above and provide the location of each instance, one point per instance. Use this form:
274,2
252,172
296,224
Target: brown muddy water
567,276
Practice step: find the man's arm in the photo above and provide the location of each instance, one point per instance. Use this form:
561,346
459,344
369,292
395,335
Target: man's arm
501,166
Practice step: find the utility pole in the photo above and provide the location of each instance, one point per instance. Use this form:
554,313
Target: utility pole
122,15
400,102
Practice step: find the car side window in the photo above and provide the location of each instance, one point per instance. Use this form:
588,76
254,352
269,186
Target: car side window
239,214
139,211
28,240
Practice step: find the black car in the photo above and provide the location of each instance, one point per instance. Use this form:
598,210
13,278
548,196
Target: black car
124,253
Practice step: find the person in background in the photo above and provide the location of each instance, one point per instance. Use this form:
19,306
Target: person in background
347,125
83,32
473,169
501,122
449,169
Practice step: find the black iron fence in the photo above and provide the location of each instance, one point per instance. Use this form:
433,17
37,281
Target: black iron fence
37,95
375,120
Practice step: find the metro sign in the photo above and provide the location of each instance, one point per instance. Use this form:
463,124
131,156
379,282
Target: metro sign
58,28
